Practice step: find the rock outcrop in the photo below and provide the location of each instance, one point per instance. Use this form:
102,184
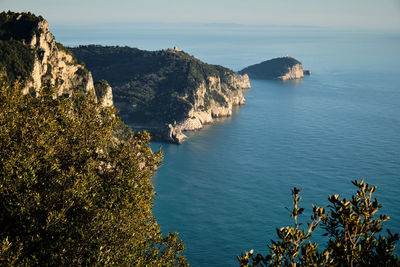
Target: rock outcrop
167,133
228,95
54,65
165,92
104,93
283,68
293,72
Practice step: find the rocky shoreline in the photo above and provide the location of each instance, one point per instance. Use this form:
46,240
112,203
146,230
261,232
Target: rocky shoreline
232,91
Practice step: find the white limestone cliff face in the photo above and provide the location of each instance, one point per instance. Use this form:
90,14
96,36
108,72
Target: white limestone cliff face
294,72
239,81
107,99
104,93
206,108
55,66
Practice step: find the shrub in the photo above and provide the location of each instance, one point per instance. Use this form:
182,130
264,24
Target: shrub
353,235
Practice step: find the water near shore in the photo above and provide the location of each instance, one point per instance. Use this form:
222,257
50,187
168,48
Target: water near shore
225,188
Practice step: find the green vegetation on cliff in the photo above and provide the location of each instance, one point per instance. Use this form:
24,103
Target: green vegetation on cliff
16,60
15,54
18,26
156,86
25,42
71,194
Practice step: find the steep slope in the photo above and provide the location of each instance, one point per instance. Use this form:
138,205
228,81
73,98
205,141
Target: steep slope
282,68
29,52
166,91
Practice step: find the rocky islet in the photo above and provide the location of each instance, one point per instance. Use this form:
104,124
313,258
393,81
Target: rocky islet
281,68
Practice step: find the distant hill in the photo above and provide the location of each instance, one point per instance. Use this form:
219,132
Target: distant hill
167,89
282,68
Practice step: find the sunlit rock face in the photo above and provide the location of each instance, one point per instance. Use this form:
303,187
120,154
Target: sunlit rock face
53,65
199,116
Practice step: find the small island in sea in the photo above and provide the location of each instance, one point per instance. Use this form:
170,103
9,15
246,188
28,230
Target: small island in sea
281,68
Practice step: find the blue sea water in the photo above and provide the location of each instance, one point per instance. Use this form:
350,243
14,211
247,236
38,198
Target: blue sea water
225,189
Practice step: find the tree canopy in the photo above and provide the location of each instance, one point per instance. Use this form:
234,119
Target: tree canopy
71,192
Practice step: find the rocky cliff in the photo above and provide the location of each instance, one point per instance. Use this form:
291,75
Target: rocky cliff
214,98
205,108
104,93
293,72
283,68
54,65
48,64
166,92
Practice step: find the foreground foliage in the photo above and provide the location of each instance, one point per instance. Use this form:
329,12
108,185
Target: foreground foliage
71,193
352,228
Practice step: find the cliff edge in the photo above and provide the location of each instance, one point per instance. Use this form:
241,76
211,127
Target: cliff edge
30,53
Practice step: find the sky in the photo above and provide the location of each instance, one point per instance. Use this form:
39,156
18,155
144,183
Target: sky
366,14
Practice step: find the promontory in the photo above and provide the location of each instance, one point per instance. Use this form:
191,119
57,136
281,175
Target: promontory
167,91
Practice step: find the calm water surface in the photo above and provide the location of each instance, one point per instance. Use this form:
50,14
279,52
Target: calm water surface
225,188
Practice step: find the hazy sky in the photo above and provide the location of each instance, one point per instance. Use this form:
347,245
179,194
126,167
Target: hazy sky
376,14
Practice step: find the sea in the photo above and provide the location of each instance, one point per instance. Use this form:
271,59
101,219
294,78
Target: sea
226,188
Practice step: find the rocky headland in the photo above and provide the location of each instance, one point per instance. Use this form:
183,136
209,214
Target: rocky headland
282,68
30,54
165,92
